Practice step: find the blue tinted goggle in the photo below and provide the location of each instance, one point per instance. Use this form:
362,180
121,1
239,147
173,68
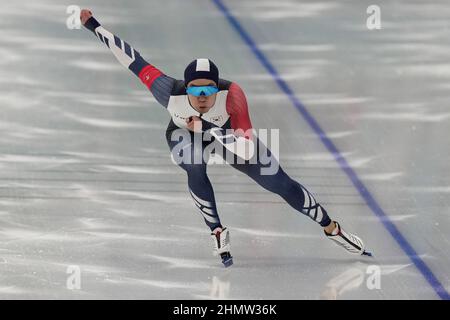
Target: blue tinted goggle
202,91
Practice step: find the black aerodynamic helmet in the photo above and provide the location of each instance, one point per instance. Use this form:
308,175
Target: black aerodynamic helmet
201,69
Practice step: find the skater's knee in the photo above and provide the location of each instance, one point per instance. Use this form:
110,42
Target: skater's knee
289,188
278,186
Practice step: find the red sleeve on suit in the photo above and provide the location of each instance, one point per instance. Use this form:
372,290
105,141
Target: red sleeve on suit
149,74
237,108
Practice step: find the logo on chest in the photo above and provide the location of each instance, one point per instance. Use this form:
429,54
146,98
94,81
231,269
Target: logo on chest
178,116
216,118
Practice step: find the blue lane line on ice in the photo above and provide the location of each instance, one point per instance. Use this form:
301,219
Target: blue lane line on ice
367,196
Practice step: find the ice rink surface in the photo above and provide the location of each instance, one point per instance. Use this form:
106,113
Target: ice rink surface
86,179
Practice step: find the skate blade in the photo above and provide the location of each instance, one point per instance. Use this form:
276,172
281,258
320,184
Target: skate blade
367,253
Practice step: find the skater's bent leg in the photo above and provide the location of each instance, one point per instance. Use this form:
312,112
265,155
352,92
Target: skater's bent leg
199,184
296,195
202,193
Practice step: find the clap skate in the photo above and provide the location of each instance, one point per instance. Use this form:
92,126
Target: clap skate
221,238
350,242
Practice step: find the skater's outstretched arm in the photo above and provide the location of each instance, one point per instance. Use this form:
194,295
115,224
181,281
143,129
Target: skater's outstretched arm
157,82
